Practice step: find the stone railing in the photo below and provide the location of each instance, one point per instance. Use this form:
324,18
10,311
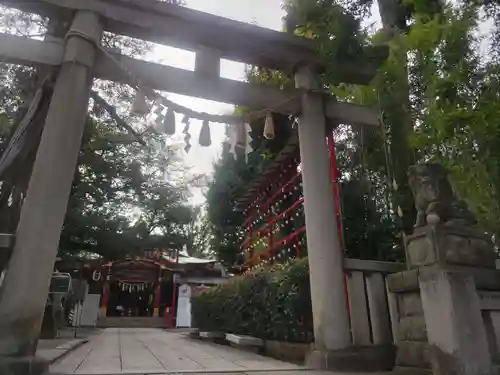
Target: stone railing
373,311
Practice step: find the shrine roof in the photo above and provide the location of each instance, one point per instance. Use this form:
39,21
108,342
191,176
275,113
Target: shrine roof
263,179
186,259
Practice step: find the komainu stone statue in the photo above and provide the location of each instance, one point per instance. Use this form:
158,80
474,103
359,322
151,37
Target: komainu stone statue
434,198
445,230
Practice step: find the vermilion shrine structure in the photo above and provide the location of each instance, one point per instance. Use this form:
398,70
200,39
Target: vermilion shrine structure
274,201
342,340
142,286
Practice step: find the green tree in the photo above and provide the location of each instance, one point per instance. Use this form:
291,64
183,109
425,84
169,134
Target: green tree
199,234
126,196
438,95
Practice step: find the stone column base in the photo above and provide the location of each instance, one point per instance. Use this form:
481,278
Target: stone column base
399,370
23,366
361,359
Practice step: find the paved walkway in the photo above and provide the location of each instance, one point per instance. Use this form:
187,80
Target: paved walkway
52,349
149,350
156,351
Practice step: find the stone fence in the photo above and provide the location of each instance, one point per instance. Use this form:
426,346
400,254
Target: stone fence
373,311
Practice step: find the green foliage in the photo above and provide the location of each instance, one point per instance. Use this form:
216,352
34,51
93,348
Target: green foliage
335,31
221,200
198,234
272,304
125,197
457,104
442,78
233,175
117,205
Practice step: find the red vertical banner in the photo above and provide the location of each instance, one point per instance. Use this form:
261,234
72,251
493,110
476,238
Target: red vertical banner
334,173
270,240
104,298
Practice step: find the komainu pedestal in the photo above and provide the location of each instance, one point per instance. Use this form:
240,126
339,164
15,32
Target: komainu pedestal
449,244
445,328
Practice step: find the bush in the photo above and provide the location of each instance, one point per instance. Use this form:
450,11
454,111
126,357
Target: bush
272,304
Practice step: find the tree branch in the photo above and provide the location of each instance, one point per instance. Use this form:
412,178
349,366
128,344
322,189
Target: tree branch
112,112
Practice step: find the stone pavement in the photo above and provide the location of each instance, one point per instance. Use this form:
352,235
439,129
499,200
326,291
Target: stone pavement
51,350
156,351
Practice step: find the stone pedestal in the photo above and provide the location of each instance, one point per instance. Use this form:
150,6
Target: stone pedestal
370,358
441,317
411,337
23,366
451,243
455,327
449,299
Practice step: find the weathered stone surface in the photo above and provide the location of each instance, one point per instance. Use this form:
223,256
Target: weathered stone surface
435,200
449,243
420,250
491,321
413,354
489,300
406,281
410,304
23,366
400,370
442,325
455,325
244,340
485,279
412,328
365,358
464,245
212,335
287,351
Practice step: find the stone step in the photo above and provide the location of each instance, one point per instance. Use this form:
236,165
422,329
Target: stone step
131,322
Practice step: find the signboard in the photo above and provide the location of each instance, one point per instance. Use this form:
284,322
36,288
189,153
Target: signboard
184,307
60,283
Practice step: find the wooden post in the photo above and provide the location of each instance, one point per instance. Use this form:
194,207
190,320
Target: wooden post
157,297
173,315
42,215
330,317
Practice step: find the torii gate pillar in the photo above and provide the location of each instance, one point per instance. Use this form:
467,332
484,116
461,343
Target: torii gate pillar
330,316
42,215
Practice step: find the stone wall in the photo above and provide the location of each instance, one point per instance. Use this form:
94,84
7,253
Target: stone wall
411,338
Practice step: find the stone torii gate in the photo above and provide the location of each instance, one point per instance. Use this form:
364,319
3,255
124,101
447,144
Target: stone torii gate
79,56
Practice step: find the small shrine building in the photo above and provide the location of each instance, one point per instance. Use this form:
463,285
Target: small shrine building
144,286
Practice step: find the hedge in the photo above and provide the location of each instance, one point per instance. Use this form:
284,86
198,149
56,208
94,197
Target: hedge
272,304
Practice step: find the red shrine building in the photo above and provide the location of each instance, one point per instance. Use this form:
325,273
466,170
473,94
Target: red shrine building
149,290
274,226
